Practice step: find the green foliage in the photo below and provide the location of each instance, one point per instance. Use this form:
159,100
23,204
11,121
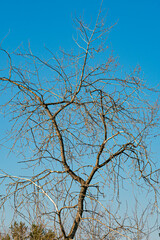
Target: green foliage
7,237
38,232
19,231
49,235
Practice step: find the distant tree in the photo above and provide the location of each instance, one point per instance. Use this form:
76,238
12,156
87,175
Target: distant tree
38,232
49,235
6,237
84,127
18,231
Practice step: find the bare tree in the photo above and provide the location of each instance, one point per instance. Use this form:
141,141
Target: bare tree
83,129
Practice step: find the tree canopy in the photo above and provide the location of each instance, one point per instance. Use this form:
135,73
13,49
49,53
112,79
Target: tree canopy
83,129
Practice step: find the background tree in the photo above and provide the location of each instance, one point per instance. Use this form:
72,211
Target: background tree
38,232
19,231
83,127
6,237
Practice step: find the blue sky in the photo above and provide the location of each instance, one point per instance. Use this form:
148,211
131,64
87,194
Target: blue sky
135,39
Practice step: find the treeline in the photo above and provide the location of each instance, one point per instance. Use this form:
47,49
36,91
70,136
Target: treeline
19,231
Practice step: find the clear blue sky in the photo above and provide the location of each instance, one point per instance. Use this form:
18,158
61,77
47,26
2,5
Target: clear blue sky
135,38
